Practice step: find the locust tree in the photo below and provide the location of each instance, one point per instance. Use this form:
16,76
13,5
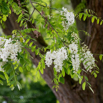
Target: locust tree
68,59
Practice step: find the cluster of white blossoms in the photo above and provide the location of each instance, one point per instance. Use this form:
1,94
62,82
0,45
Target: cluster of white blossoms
57,57
8,50
88,59
74,56
69,16
77,55
75,37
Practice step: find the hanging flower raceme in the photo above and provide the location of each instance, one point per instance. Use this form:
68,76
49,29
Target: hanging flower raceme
9,49
87,59
57,57
68,18
74,56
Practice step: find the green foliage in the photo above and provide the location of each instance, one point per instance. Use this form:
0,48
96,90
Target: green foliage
4,10
81,6
89,14
54,34
62,80
33,92
84,85
100,56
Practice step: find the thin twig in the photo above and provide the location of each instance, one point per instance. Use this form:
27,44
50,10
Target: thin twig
19,3
31,14
50,11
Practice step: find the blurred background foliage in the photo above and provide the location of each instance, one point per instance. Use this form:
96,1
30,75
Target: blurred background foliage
34,88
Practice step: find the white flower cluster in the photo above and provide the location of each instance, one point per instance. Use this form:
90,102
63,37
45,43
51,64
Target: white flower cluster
88,59
74,56
85,56
8,50
69,16
75,37
57,57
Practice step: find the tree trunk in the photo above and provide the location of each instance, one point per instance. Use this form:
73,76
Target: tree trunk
71,91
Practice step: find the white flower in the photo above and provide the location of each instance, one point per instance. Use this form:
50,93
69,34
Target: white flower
8,50
75,36
4,102
2,40
64,9
69,16
75,62
54,55
63,53
58,67
1,64
48,62
48,58
58,61
57,57
74,56
21,97
88,61
73,48
7,42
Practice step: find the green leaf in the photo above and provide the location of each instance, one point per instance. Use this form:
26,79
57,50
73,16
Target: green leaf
101,22
13,82
43,63
41,70
95,75
12,87
86,78
84,17
15,67
37,51
55,72
33,48
80,80
63,72
9,70
20,17
6,76
27,41
1,82
4,9
68,71
100,56
72,75
4,18
21,69
93,18
2,77
62,80
84,85
80,15
30,44
11,77
97,21
55,81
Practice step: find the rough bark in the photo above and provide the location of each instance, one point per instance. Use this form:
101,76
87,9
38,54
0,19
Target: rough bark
71,92
95,42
